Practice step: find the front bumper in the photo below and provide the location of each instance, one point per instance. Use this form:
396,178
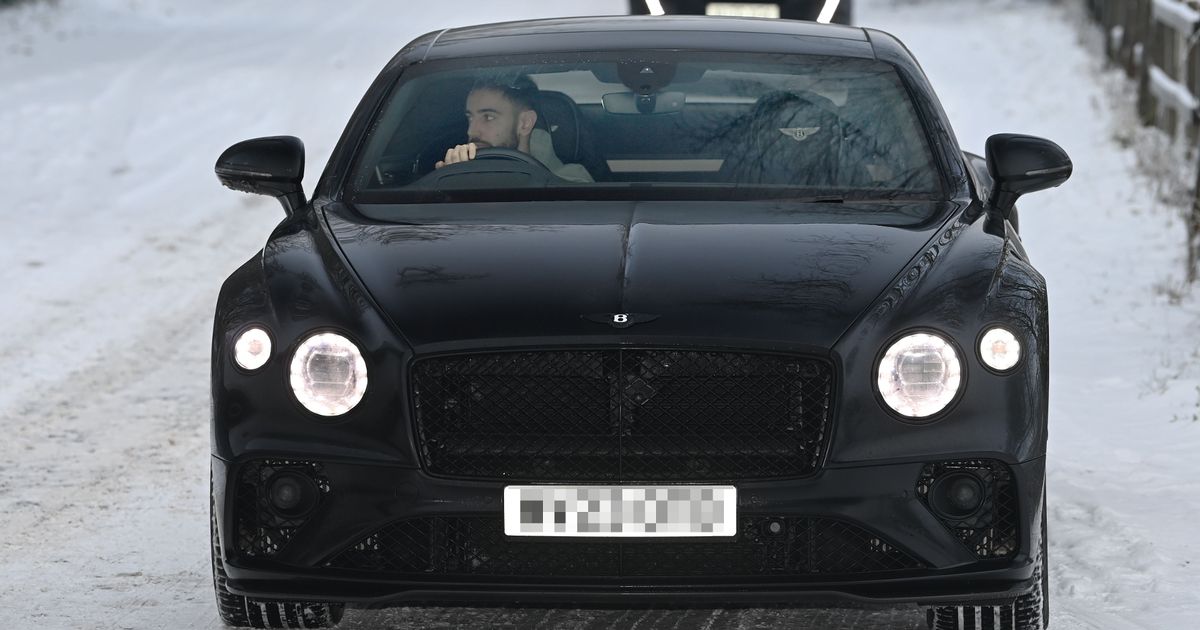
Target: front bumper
903,552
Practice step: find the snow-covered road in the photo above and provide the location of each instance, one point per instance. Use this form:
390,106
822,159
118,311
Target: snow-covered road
117,237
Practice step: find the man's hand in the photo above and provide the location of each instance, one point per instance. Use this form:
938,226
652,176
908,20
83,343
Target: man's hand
460,153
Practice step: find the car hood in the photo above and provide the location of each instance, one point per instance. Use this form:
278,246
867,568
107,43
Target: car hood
514,274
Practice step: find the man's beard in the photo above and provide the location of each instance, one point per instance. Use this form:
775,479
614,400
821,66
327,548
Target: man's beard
511,143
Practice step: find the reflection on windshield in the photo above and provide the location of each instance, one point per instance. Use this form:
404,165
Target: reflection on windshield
645,126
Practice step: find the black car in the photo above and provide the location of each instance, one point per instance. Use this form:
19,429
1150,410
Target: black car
669,311
825,11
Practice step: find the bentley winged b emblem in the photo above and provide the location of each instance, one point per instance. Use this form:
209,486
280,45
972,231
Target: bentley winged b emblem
799,134
620,320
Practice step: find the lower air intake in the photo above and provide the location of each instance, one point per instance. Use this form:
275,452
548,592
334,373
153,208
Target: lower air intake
262,530
991,530
795,547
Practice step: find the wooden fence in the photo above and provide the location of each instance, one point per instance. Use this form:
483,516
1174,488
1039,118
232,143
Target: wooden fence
1157,42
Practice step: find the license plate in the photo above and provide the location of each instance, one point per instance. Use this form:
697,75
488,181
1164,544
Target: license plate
620,511
742,9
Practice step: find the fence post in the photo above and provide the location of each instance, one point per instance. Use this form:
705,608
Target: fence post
1191,132
1157,42
1146,31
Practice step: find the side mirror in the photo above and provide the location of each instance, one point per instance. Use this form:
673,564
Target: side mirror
1023,164
266,166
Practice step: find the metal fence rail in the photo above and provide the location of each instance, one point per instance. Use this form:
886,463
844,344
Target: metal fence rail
1155,41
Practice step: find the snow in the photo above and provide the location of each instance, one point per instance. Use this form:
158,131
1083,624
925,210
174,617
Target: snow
1174,93
1179,15
1124,393
113,112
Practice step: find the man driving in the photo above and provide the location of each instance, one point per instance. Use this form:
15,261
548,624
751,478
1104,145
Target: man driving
502,115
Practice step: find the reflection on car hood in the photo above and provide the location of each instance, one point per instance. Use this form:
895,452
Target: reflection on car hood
513,273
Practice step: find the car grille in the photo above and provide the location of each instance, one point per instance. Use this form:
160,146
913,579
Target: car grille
622,415
764,546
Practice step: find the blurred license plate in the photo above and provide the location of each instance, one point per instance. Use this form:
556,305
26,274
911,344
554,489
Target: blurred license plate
742,9
620,511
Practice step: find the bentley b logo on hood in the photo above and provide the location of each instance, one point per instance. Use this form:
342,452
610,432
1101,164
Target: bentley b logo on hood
620,320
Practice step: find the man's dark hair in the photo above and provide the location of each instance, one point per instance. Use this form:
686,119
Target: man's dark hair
519,89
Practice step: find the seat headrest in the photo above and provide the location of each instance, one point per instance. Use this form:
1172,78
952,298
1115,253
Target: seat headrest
559,115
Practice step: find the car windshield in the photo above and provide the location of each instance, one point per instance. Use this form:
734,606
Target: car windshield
647,125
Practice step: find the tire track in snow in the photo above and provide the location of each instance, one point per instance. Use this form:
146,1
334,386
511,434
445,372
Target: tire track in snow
110,453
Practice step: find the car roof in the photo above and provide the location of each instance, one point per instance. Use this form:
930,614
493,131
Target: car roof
697,33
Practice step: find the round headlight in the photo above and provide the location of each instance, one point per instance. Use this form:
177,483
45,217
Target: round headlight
252,349
999,349
919,375
328,374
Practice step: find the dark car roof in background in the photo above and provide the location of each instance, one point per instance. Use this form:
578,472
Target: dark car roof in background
639,32
676,23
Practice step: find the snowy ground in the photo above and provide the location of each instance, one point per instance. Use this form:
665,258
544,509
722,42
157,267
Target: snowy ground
118,236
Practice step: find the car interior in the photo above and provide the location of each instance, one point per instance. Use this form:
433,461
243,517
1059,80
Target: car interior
635,121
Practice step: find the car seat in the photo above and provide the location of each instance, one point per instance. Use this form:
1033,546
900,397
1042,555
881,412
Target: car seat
571,135
787,139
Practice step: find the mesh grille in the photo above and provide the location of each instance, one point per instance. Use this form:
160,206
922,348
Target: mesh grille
464,546
260,531
622,415
991,532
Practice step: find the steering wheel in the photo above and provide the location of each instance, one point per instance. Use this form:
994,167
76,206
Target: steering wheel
500,153
492,166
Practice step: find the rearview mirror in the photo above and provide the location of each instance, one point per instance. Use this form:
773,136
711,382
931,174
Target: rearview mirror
1023,164
266,166
653,103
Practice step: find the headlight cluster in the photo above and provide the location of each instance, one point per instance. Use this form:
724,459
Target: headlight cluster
327,372
920,374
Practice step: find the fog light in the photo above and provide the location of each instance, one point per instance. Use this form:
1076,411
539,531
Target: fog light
957,495
292,494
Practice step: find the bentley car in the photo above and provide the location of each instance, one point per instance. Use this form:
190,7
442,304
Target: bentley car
667,311
824,11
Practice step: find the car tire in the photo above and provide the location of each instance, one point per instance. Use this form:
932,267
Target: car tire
240,611
1030,611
